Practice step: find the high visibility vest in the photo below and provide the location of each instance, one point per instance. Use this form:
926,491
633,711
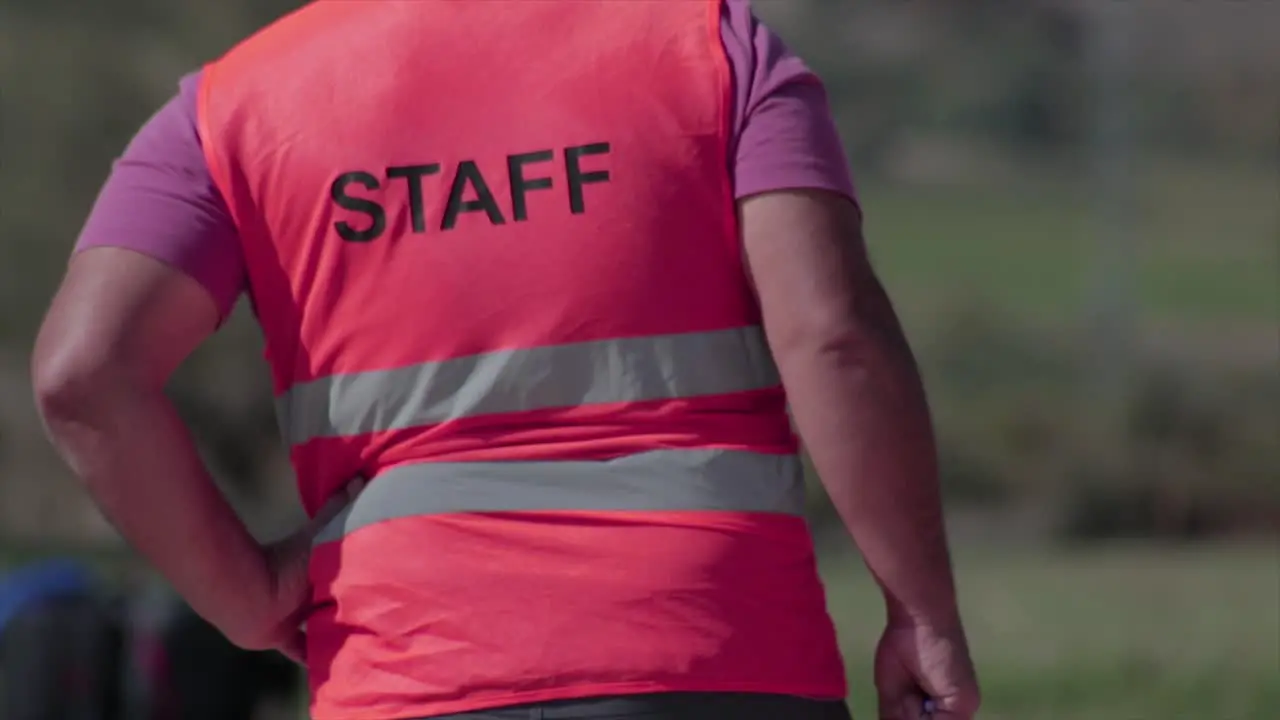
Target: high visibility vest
494,252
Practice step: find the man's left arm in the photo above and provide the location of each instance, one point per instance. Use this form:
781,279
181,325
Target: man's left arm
119,326
157,266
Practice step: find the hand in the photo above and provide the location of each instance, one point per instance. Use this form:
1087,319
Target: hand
916,664
288,562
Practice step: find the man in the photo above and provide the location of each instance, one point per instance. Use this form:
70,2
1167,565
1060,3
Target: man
516,264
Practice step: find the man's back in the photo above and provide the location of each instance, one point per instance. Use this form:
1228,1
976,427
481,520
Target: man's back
599,376
583,477
469,201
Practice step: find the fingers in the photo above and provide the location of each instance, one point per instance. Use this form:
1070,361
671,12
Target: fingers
340,500
334,507
295,648
961,704
899,694
911,706
954,709
957,714
918,706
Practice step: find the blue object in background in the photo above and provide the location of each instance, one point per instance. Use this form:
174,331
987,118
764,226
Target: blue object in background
41,581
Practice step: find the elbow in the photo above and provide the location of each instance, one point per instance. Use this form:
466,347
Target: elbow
59,390
831,337
70,383
867,332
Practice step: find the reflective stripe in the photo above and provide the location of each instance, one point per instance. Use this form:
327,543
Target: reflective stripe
556,376
694,480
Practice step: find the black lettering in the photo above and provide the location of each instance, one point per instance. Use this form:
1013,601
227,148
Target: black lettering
469,173
377,216
573,165
520,186
413,175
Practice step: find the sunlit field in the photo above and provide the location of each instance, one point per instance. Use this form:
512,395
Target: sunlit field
1112,634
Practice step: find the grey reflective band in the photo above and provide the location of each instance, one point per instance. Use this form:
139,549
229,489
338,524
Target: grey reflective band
556,376
689,480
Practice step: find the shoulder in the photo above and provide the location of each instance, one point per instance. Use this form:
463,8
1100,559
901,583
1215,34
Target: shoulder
784,133
160,200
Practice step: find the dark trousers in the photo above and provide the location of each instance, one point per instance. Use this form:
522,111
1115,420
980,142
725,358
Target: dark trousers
671,706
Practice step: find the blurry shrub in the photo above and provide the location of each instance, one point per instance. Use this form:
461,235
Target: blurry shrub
1197,455
1191,450
1018,73
998,392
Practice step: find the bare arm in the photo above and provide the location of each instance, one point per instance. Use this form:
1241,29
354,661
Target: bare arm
118,328
855,392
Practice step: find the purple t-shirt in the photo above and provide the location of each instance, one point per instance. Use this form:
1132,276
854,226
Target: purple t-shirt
160,199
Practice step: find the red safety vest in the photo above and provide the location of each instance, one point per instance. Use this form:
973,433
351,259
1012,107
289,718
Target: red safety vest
494,253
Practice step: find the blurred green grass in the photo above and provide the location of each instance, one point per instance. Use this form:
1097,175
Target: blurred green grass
1114,633
1207,242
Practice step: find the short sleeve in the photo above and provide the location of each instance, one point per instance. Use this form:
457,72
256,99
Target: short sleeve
160,200
785,135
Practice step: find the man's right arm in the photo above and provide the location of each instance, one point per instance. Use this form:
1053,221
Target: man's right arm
852,382
855,392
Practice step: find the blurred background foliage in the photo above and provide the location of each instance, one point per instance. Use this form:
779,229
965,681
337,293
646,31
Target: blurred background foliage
1075,204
